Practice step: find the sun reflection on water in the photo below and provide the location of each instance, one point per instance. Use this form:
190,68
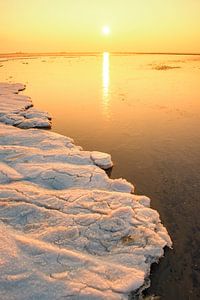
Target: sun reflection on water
106,82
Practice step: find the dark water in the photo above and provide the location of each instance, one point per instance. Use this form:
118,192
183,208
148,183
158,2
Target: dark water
147,117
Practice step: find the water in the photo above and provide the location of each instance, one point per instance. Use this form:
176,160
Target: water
148,119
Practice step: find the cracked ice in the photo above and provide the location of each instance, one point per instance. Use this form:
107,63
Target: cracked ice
67,231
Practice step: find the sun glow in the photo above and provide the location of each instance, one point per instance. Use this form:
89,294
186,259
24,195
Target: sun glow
105,30
86,26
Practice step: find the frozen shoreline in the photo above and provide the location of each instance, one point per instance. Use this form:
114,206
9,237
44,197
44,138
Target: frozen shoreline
66,229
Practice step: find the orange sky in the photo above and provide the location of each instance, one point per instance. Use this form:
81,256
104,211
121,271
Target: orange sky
75,25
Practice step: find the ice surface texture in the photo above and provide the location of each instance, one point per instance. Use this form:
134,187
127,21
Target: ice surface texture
17,109
67,231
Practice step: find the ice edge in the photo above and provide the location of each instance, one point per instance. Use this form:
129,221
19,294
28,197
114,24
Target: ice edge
66,229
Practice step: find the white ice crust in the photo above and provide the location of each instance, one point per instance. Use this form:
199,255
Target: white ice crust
17,109
67,231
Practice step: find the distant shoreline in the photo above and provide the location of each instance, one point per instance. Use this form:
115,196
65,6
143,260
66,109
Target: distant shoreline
29,54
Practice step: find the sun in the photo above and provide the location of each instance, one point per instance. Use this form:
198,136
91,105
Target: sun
105,30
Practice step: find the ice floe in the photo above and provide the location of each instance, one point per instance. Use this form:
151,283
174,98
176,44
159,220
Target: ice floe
68,231
17,109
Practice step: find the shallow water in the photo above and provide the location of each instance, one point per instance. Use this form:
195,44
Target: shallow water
147,117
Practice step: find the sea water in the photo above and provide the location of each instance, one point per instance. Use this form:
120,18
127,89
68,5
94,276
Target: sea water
145,111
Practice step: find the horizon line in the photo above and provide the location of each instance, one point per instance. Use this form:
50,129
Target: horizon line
62,53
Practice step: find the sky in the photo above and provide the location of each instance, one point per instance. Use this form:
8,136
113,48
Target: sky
76,25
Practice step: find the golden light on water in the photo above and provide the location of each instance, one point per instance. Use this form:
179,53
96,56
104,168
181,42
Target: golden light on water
105,82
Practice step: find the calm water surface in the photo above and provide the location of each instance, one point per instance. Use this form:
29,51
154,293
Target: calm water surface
148,119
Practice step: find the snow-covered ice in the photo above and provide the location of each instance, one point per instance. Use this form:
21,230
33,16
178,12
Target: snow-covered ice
67,231
17,109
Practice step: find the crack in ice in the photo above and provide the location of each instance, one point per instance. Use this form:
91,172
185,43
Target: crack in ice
67,231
